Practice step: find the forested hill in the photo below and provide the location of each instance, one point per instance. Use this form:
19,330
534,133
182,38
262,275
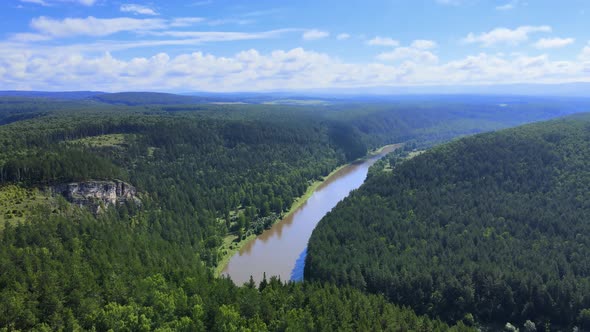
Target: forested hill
205,175
147,98
493,228
65,95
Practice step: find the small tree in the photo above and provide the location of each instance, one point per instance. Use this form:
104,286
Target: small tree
530,326
510,328
584,318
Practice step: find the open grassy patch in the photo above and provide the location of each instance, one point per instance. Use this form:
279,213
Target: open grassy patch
16,203
110,140
150,151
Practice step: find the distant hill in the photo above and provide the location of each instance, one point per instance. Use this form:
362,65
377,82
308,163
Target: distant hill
136,98
66,95
579,89
145,98
322,96
157,98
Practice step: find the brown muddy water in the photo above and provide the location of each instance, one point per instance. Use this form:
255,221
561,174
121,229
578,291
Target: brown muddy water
281,250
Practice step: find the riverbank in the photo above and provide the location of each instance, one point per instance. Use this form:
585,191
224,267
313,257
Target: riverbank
229,248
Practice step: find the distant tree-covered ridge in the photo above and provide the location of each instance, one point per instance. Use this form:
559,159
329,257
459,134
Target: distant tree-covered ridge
494,227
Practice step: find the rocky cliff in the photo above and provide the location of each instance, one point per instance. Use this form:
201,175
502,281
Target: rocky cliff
97,194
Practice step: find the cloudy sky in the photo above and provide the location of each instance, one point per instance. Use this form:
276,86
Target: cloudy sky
264,45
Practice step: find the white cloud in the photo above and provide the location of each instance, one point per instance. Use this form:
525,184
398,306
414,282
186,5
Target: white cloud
172,38
185,21
343,36
449,2
423,44
137,9
251,70
211,36
92,26
202,3
410,54
52,2
38,2
585,54
29,37
505,35
545,43
264,12
50,28
383,41
508,6
490,69
224,21
315,34
248,70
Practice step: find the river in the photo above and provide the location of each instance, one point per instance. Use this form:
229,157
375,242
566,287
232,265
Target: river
280,250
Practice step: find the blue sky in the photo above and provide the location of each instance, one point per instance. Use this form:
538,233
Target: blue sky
260,45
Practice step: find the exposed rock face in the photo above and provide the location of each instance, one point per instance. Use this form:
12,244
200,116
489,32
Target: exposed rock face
97,194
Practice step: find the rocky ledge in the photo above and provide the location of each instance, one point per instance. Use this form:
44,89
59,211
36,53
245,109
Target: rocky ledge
98,195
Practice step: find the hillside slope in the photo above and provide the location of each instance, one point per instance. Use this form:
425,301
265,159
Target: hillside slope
495,227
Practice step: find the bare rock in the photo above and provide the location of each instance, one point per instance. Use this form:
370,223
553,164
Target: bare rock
97,194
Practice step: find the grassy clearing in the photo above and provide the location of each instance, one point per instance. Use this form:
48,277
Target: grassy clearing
110,140
150,151
415,153
16,203
379,150
389,168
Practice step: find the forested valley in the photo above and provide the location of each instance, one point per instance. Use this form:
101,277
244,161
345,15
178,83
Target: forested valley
204,172
491,228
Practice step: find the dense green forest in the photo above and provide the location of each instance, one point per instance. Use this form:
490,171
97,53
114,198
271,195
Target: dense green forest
203,172
68,270
491,228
